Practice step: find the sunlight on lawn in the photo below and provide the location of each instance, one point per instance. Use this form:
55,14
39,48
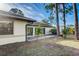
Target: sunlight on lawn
70,43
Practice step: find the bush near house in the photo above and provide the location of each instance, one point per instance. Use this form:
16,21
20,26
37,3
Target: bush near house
71,30
68,31
65,32
38,31
53,31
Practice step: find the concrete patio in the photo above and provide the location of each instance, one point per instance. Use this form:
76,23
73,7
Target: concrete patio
47,47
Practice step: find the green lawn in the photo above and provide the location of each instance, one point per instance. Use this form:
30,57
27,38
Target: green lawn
46,47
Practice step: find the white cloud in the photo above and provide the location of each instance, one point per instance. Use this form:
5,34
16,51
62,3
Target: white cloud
4,6
38,15
30,8
41,15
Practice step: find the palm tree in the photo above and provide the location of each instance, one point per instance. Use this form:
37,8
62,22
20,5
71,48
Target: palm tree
57,20
67,9
64,20
51,8
64,16
76,20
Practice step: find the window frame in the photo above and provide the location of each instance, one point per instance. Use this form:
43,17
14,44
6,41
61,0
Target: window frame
6,30
30,32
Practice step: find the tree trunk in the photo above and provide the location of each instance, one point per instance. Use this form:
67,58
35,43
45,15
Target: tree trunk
64,20
76,20
57,20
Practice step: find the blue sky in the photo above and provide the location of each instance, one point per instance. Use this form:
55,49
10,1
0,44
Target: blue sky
35,11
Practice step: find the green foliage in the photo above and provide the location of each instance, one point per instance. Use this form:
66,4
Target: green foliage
50,6
38,30
68,8
53,31
64,31
70,29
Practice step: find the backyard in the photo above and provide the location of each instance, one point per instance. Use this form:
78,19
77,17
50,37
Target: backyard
45,47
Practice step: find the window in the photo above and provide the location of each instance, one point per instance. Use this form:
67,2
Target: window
29,31
6,27
43,30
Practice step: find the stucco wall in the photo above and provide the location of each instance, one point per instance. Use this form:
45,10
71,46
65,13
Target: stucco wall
19,32
19,27
47,30
6,39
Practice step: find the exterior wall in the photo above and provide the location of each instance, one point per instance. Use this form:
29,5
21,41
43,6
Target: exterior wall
17,36
6,39
33,31
18,31
19,27
34,37
47,30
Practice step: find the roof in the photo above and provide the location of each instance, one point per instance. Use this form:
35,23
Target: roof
9,14
39,23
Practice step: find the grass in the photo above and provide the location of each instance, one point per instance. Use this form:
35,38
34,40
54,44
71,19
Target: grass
46,47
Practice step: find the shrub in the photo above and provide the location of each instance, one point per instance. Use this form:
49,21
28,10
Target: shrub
53,31
71,30
38,31
65,32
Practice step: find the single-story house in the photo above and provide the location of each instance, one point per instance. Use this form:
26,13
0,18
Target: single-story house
45,28
32,29
15,28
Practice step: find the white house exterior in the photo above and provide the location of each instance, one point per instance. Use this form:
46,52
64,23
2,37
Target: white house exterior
13,28
31,29
18,28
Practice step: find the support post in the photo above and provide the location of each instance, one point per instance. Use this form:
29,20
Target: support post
33,31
